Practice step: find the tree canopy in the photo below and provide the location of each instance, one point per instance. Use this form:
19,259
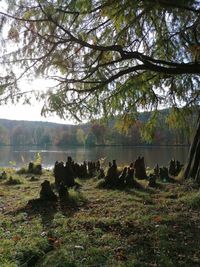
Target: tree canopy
107,57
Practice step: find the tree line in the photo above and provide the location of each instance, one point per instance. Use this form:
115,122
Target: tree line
112,132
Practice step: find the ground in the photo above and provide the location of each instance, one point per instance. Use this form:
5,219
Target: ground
99,227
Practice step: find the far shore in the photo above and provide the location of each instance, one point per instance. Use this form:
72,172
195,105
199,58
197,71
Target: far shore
92,146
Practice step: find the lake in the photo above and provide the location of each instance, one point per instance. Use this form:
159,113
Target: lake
21,156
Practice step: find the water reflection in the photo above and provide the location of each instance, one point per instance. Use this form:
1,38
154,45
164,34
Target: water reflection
123,155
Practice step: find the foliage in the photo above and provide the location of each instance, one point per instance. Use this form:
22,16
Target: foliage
107,57
37,159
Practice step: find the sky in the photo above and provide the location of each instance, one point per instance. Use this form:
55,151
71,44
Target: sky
27,112
31,112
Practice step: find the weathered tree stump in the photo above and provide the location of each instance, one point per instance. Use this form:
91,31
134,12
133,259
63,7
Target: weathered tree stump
139,166
46,192
129,177
172,167
152,181
164,176
63,192
112,175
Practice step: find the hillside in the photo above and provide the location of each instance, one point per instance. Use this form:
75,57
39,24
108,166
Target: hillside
14,132
10,124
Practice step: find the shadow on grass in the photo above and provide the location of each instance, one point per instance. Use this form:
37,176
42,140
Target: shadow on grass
167,243
47,209
130,189
103,184
170,243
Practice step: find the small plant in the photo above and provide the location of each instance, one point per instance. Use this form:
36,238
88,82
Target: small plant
76,197
38,159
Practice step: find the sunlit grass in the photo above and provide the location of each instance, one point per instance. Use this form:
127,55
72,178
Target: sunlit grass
100,227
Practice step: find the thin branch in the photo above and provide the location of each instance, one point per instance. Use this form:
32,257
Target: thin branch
22,19
175,4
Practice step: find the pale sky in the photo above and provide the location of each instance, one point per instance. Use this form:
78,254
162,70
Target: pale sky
27,112
30,112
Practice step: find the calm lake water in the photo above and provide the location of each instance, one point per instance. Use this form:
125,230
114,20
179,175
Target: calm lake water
20,156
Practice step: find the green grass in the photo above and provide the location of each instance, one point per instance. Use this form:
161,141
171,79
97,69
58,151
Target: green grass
192,200
99,227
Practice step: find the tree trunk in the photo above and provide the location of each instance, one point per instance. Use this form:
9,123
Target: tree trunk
192,168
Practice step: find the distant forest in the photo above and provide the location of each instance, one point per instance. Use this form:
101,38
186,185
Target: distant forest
91,134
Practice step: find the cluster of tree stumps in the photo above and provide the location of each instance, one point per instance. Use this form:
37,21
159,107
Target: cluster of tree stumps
166,174
126,178
34,168
65,175
115,178
47,194
137,170
175,167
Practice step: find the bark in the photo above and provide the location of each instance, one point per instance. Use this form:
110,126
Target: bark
192,168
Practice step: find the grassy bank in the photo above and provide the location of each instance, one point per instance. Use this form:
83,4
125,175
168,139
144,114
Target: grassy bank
99,227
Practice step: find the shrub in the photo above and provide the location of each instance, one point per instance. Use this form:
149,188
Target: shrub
13,181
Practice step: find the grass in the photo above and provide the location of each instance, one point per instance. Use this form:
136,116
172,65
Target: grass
192,200
99,227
